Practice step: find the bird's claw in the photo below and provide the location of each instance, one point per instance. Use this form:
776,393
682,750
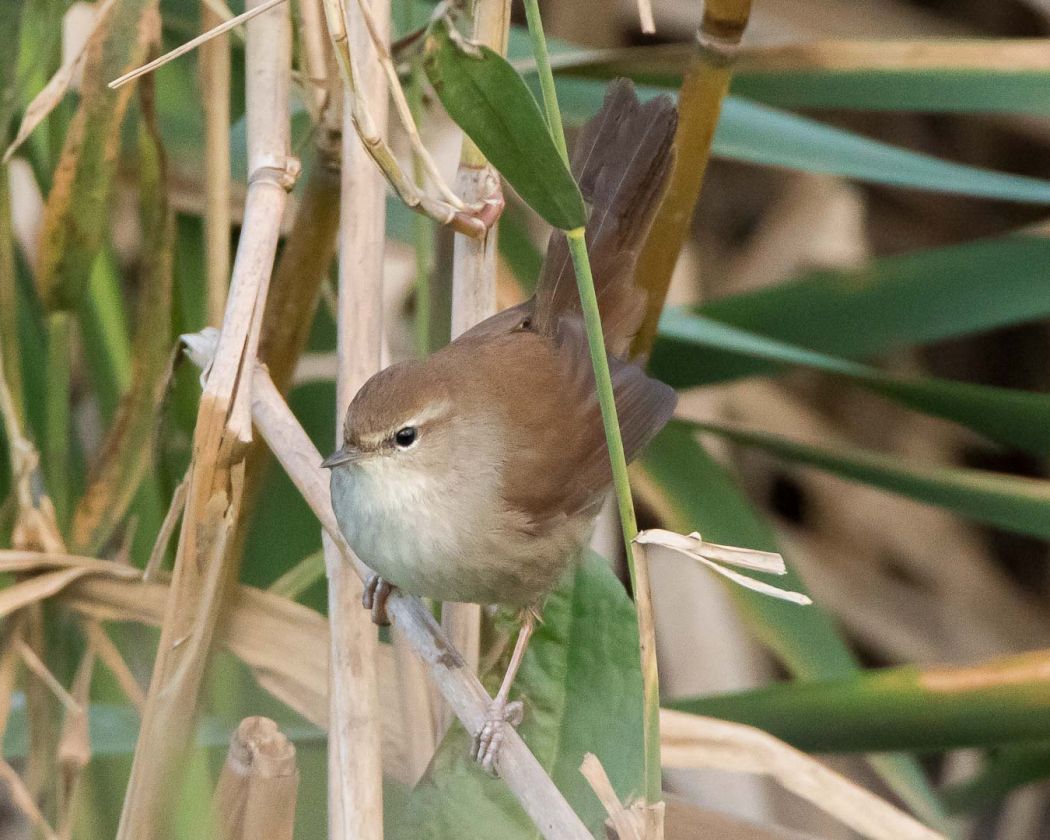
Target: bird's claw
374,598
487,743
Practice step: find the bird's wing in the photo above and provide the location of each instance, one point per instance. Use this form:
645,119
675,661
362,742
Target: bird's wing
557,461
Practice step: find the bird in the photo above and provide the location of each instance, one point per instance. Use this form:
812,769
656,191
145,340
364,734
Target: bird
475,474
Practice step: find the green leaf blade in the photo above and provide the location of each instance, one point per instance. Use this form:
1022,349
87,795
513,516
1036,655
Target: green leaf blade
697,350
493,105
1021,505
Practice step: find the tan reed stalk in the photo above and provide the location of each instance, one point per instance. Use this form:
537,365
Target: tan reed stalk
215,87
699,106
256,793
355,790
474,293
202,573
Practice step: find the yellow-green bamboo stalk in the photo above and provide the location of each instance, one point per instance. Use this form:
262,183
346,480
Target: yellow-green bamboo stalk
700,100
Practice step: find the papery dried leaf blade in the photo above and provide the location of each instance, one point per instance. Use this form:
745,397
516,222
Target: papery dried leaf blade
126,454
693,741
76,214
36,589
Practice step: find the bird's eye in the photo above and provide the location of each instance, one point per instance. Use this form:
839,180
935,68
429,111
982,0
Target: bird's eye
406,436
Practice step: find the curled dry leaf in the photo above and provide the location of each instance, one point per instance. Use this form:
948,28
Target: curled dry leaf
717,557
57,86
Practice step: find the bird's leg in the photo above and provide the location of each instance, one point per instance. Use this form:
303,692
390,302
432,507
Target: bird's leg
488,741
374,597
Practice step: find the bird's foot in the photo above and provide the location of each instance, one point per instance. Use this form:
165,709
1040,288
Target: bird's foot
374,598
487,743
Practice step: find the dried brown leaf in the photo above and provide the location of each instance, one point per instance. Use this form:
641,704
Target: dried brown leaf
127,452
76,216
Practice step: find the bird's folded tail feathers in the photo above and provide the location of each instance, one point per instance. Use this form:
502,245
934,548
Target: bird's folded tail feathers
622,160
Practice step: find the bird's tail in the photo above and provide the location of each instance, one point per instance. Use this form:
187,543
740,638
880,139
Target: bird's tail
622,160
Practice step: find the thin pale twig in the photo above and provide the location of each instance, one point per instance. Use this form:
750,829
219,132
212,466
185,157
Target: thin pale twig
36,665
192,44
167,528
404,112
111,657
24,801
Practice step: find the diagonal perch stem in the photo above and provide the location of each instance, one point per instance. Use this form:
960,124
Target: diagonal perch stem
636,561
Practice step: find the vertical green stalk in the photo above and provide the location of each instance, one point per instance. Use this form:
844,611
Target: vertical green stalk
57,463
596,343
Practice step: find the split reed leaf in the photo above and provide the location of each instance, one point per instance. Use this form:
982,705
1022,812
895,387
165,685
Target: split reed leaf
904,708
1014,418
582,688
491,103
1010,502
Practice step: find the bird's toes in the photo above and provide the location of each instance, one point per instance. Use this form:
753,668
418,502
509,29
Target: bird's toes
486,746
374,597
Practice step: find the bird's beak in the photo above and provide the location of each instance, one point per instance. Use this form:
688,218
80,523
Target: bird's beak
344,455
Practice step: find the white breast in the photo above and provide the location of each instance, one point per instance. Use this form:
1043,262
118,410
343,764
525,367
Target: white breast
449,536
415,530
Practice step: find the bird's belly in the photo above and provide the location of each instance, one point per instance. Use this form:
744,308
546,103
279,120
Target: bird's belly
424,537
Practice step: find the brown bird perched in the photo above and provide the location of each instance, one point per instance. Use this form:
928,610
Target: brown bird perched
475,474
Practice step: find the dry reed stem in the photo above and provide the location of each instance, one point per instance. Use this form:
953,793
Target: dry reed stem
957,55
321,70
518,767
355,790
256,793
635,821
692,741
215,85
202,574
474,294
444,211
